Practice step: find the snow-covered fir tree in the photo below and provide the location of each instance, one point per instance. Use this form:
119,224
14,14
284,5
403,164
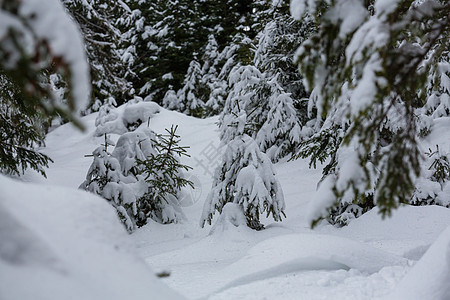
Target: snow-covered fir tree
142,177
173,33
189,98
275,46
371,99
281,132
280,129
245,175
433,186
114,176
165,176
98,21
170,100
138,49
271,116
219,86
216,87
210,60
244,82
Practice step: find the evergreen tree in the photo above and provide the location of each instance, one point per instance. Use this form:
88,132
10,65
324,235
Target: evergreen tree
271,116
370,91
215,87
98,23
173,33
21,132
137,47
171,100
142,178
245,177
163,172
219,43
433,187
276,43
189,97
438,85
219,86
281,132
227,18
278,128
114,176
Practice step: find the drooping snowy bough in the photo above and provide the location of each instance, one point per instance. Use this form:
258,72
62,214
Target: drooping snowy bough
378,72
37,36
43,75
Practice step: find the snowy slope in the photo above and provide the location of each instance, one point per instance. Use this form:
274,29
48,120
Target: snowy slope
59,243
288,260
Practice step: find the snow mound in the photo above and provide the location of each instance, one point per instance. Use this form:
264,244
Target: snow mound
406,222
232,216
282,255
125,118
409,229
430,277
297,252
59,243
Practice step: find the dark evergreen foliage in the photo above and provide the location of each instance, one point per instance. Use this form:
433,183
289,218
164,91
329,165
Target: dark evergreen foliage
373,92
21,132
98,23
163,173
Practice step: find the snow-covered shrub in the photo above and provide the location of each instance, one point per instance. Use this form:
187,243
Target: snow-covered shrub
132,147
127,118
231,216
433,186
114,176
170,100
141,178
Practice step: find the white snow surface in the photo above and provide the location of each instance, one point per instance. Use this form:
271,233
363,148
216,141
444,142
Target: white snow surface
371,258
60,243
430,277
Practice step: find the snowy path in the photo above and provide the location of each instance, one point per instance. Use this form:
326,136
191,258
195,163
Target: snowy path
287,260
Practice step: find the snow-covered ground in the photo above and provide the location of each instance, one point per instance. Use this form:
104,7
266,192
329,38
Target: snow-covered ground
367,259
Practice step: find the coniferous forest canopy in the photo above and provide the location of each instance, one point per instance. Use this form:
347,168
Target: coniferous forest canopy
358,90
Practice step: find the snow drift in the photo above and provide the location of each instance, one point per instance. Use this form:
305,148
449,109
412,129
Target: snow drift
58,243
430,277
